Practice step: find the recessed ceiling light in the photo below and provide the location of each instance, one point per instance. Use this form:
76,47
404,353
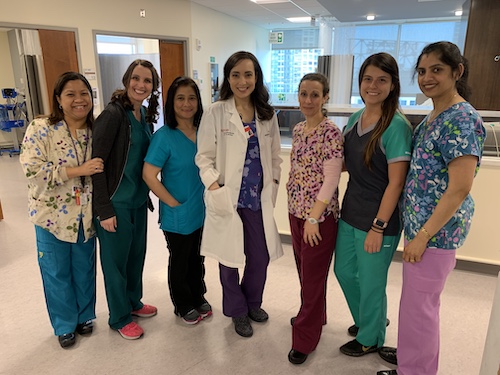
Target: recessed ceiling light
370,17
299,19
459,12
269,1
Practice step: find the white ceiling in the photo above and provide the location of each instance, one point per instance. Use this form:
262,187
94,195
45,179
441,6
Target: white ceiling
273,16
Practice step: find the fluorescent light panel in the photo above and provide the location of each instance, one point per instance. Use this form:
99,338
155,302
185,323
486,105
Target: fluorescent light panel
269,1
459,12
370,17
299,19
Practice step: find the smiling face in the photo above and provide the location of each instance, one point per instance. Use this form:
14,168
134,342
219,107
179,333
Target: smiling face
140,85
435,78
242,79
311,98
376,85
75,100
185,103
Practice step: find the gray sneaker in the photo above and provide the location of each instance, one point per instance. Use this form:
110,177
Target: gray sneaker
242,326
205,310
258,315
192,317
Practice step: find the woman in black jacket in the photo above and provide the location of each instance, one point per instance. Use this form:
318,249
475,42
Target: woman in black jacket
121,138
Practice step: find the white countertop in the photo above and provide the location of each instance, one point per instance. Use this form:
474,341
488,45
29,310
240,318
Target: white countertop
408,110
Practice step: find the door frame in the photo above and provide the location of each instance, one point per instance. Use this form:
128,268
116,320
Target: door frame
36,27
184,41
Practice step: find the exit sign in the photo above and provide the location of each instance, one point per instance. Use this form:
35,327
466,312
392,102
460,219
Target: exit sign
276,37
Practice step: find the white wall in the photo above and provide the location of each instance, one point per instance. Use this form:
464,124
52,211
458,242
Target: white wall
220,34
220,37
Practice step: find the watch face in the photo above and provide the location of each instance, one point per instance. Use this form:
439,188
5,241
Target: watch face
380,223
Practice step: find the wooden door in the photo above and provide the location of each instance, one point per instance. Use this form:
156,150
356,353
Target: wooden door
172,63
482,45
59,55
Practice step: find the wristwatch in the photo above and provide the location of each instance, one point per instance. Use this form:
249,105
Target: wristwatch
380,223
312,220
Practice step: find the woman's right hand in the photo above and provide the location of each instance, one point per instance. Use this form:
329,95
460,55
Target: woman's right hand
214,186
109,224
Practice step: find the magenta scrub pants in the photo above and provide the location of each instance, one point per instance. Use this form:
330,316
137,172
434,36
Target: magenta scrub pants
418,331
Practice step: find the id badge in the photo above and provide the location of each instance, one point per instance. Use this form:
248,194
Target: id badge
77,194
249,131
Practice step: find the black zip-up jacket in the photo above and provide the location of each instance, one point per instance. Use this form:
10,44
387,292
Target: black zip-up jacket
110,142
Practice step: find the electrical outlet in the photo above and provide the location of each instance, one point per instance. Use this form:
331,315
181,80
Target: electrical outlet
142,13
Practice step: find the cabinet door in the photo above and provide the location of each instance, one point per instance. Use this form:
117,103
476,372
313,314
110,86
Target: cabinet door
482,45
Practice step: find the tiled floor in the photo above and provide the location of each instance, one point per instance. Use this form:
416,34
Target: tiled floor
27,344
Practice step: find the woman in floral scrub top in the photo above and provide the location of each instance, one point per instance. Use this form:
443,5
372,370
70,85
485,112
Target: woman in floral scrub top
437,208
56,160
313,209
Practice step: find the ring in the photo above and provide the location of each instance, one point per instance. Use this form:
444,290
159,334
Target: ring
412,260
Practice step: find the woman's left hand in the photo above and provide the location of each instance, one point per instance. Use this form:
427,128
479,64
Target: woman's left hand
311,234
373,242
414,250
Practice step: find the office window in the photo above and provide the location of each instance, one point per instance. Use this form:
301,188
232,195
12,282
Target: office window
290,61
403,41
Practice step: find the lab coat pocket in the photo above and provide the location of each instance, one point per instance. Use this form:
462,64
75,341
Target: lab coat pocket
219,201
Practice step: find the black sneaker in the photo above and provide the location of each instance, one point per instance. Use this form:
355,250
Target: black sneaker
85,328
242,326
388,354
258,315
353,330
355,349
387,372
67,340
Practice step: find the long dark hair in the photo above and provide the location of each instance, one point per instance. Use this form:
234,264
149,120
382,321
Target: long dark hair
387,64
169,112
121,94
450,55
57,113
259,96
318,77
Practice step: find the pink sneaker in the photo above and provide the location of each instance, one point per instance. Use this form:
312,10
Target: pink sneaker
147,311
131,331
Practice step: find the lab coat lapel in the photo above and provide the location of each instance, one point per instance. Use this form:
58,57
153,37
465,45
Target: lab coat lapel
235,117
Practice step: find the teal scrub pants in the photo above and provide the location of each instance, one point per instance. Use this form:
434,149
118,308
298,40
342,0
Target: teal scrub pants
122,259
363,279
68,275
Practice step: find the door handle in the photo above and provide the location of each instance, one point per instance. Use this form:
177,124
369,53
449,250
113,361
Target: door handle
497,58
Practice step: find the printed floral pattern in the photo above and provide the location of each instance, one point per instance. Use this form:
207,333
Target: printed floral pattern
46,152
309,151
455,132
252,181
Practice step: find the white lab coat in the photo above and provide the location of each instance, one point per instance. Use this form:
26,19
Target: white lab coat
222,147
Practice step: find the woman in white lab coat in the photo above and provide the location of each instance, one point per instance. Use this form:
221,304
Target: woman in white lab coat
238,157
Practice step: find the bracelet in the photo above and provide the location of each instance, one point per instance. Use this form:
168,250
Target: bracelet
376,230
425,232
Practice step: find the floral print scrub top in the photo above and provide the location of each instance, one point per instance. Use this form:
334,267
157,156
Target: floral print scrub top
309,151
456,132
46,152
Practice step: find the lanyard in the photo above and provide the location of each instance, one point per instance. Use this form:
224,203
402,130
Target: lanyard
82,178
